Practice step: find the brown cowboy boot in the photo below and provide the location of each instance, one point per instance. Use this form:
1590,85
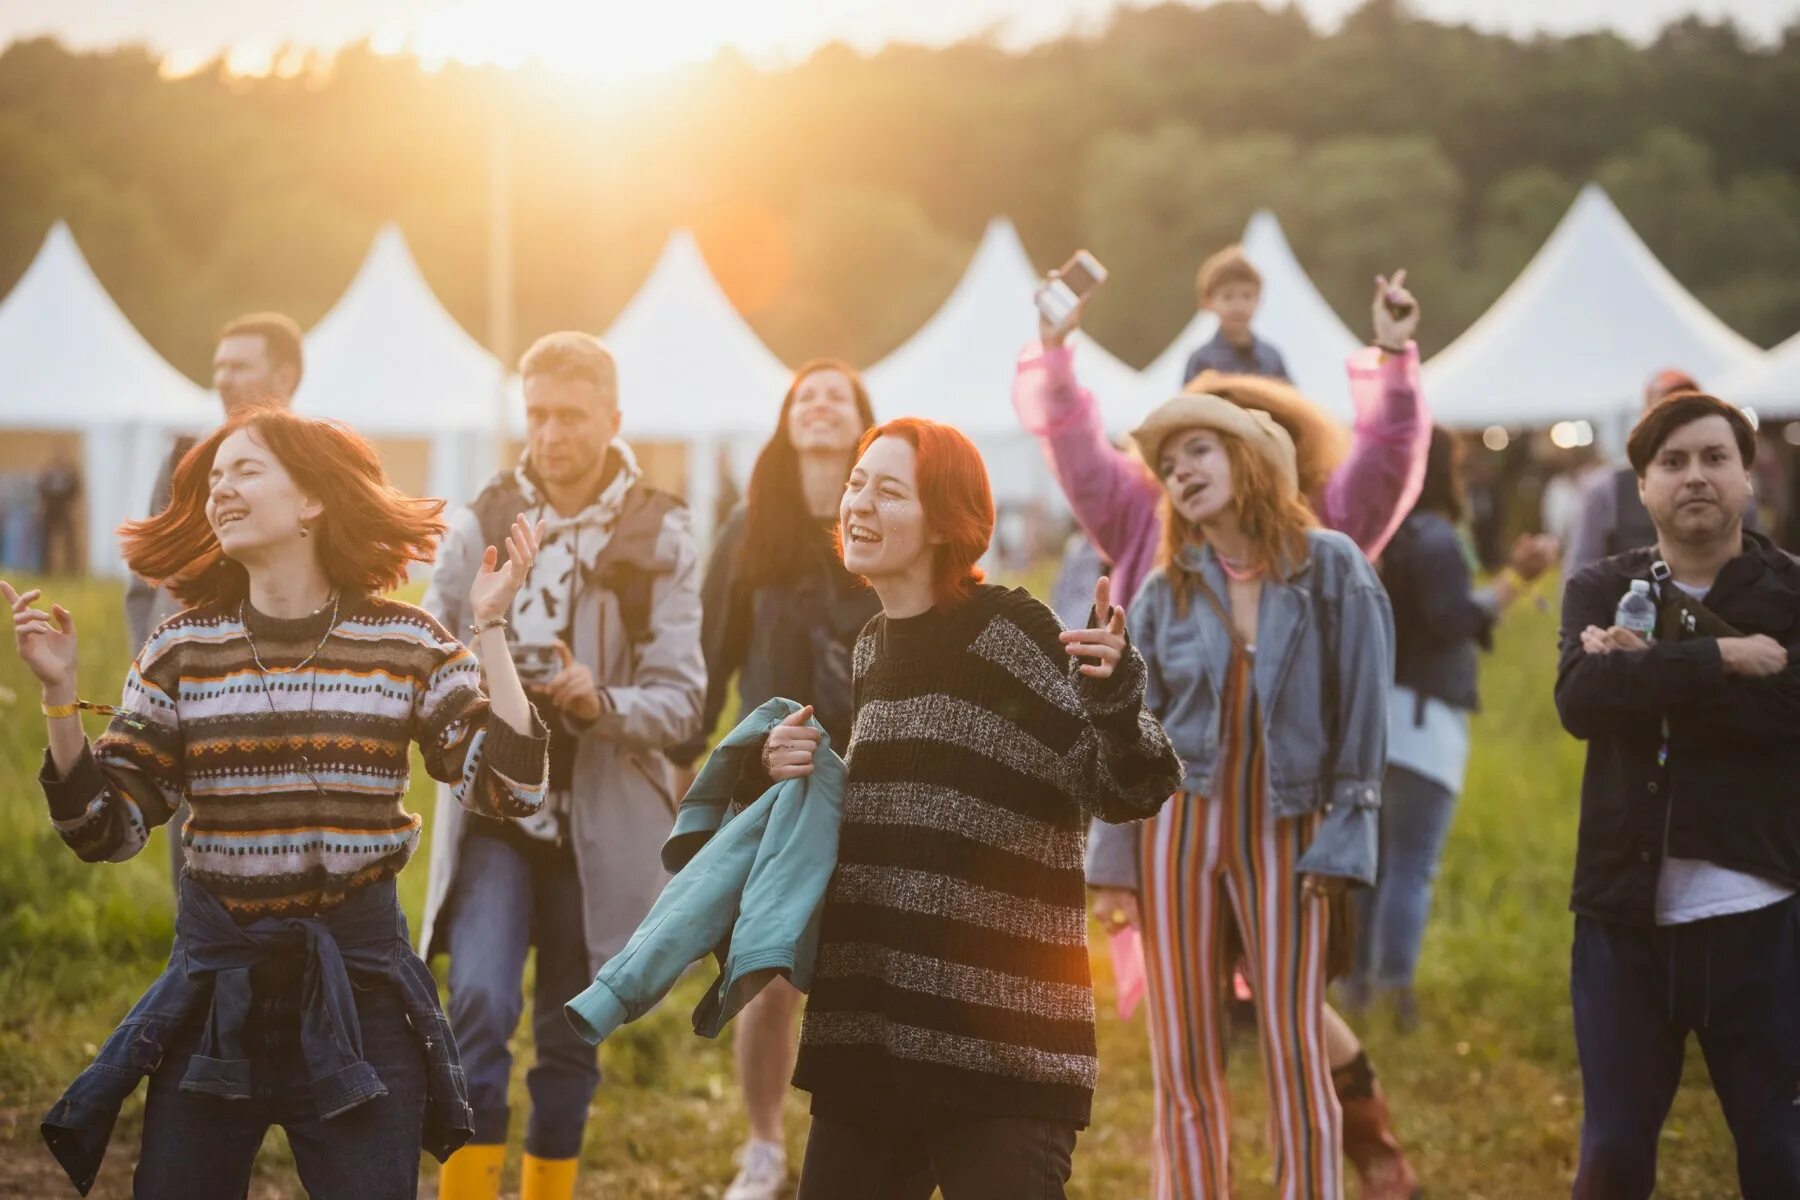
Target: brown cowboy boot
1369,1141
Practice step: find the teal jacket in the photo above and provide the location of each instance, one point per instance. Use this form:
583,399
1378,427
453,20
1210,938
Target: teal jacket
749,886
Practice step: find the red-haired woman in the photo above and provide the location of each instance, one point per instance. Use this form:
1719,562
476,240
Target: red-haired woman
1269,650
781,616
949,1037
281,702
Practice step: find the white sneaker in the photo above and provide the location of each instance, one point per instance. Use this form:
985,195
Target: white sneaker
762,1172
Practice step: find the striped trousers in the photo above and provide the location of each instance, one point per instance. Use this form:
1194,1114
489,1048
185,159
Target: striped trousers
1205,862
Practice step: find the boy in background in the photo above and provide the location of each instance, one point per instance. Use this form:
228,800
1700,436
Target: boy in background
1231,289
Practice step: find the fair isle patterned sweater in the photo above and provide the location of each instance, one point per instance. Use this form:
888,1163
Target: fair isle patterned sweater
294,791
953,960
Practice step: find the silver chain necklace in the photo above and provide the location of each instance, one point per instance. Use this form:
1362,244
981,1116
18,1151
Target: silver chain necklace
312,684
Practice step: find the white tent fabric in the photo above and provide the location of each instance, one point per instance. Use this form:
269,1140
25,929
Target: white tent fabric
1592,316
389,360
1293,317
958,368
70,361
1770,386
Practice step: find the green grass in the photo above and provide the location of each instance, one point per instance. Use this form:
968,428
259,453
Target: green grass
1485,1094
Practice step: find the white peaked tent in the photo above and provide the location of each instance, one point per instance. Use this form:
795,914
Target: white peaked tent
958,368
1293,317
1592,316
691,370
71,362
1771,386
389,360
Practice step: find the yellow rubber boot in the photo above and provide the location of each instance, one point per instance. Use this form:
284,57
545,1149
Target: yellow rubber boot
547,1178
472,1173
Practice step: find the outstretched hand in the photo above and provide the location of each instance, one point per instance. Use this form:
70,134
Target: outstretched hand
491,595
45,640
1396,311
1104,644
788,752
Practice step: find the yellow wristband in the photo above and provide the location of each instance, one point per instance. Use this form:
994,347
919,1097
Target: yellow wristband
61,710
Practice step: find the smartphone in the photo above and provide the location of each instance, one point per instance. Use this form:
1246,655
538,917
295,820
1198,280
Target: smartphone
1079,278
536,662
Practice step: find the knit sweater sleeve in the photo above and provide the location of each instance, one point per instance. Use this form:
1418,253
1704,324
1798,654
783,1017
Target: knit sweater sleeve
132,779
494,770
1121,766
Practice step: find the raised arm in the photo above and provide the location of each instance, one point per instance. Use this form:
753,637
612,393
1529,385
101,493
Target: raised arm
1109,491
1378,482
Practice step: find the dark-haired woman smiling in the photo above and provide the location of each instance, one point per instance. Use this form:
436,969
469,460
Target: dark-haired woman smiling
949,1037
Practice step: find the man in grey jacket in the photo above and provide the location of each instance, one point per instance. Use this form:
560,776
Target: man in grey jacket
257,359
607,634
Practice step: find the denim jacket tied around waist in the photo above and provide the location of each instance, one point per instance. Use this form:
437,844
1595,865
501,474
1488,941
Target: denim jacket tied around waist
208,979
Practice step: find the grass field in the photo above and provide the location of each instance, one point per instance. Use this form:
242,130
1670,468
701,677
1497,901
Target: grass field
1486,1093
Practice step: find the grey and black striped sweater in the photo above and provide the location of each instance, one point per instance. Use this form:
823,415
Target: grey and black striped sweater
953,960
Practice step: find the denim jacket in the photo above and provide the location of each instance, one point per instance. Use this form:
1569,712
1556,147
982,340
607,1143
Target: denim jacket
749,886
208,979
1324,664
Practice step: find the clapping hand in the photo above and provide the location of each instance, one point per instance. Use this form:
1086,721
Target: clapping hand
788,752
1396,312
1105,645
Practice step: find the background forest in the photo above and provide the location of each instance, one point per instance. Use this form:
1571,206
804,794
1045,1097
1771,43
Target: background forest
838,199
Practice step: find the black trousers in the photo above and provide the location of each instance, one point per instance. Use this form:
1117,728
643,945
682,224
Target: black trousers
1734,982
965,1156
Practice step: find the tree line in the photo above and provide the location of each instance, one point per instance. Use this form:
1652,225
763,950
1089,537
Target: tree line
838,199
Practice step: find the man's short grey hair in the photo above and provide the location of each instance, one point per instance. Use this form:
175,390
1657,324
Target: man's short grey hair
573,355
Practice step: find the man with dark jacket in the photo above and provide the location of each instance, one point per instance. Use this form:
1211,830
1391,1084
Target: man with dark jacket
1688,860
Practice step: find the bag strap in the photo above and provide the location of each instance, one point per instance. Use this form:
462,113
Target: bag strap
1231,630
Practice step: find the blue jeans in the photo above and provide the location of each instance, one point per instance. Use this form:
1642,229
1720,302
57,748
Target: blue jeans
1391,916
1638,992
512,894
198,1147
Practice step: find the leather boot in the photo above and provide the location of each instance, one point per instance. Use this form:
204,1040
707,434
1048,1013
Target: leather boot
472,1173
1369,1141
547,1178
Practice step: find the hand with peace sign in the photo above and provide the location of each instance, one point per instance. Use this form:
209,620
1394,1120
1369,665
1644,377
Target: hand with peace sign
1104,645
788,752
1396,312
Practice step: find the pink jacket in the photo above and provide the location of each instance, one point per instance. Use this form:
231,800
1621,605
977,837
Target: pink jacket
1117,501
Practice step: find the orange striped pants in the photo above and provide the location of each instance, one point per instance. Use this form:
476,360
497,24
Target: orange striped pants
1203,863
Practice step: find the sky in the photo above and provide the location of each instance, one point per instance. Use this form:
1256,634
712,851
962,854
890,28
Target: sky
611,35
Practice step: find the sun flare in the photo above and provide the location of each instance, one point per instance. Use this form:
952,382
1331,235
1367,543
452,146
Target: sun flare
606,40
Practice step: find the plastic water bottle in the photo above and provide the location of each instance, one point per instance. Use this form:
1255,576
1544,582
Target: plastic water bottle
1637,611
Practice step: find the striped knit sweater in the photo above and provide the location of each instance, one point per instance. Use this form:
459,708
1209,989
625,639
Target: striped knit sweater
953,960
260,836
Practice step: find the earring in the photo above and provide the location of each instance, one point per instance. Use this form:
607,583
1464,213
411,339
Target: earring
304,532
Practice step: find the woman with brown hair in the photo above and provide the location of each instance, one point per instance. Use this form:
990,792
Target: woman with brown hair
281,702
1267,644
781,615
